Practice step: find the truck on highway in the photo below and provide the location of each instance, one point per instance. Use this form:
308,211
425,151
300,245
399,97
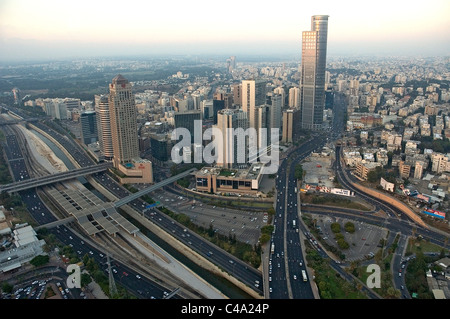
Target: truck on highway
304,275
293,223
272,248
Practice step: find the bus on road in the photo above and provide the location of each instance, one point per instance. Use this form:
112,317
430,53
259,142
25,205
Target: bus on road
304,276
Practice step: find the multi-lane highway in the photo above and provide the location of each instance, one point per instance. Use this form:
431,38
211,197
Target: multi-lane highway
42,216
237,268
286,260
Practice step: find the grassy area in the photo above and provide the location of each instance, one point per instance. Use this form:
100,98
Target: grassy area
245,252
417,245
330,283
226,172
332,201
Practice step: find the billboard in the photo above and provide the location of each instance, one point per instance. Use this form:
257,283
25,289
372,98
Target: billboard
339,191
386,185
434,213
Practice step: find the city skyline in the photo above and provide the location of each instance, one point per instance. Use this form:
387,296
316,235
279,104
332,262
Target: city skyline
45,29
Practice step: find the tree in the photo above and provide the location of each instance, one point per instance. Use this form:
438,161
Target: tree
372,176
349,227
298,172
7,288
39,260
85,280
335,227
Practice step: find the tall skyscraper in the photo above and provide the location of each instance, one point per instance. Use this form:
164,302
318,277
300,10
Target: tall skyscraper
187,120
229,154
237,94
89,134
312,82
233,62
275,102
123,114
280,90
104,126
253,94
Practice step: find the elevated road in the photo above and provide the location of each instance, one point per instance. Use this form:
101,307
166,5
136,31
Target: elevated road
130,198
57,223
54,178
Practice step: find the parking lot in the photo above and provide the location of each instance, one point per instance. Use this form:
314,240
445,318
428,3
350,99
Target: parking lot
246,225
363,241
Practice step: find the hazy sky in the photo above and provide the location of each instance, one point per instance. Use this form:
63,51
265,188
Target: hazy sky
54,28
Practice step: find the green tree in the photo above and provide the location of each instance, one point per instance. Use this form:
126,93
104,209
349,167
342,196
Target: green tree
335,228
39,260
349,227
343,244
298,172
7,287
85,279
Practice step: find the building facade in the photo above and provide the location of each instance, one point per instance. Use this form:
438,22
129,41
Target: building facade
253,94
89,134
228,153
104,126
123,115
312,82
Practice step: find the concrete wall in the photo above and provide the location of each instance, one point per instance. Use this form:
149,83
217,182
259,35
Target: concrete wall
388,199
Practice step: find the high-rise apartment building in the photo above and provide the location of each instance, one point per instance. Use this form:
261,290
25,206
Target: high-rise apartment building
237,94
104,126
294,97
275,105
312,81
123,114
253,94
290,127
280,90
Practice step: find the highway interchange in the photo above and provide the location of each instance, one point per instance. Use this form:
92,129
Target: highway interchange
277,279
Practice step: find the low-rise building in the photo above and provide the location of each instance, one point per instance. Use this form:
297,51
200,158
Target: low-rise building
218,180
26,247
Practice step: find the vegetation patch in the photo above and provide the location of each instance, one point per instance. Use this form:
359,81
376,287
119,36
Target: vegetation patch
330,283
246,252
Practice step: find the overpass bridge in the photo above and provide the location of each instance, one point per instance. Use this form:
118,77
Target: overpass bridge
130,198
53,178
57,223
125,200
